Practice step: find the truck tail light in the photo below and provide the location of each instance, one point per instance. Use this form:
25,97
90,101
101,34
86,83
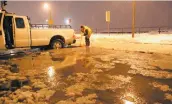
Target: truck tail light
74,36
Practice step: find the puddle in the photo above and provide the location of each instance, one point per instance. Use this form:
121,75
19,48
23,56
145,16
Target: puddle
140,84
57,59
17,53
107,97
79,67
11,56
144,90
120,69
59,95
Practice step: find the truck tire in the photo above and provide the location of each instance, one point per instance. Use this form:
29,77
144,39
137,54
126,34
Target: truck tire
57,44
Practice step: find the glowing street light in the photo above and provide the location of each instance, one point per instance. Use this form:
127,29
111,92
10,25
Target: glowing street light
46,6
68,21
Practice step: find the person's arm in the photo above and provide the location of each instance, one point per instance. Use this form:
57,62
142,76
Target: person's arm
86,32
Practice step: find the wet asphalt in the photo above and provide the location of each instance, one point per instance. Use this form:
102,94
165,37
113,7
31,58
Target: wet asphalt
99,76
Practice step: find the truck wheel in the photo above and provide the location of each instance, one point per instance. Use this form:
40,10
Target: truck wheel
56,44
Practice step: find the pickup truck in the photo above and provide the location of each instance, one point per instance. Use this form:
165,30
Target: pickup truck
17,32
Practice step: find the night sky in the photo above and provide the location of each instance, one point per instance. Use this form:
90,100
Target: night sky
92,13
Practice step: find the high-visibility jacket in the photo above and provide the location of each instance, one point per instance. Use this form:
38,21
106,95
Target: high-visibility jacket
88,29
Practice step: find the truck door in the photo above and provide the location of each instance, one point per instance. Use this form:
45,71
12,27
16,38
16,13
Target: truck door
21,31
2,35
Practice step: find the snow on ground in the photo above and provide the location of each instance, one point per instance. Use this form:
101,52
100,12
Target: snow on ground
146,42
140,38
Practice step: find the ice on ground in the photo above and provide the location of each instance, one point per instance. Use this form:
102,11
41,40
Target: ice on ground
149,65
76,89
168,96
83,81
141,38
152,73
106,58
96,71
66,102
100,65
89,99
121,78
104,66
161,86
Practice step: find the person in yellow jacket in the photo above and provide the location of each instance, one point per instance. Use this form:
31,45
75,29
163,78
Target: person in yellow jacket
87,33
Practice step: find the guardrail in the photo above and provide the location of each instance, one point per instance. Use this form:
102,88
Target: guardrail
129,30
50,26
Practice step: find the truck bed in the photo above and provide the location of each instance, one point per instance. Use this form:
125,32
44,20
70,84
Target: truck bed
41,34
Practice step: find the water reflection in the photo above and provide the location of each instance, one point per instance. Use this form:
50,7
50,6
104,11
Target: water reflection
51,76
51,72
129,98
128,102
87,50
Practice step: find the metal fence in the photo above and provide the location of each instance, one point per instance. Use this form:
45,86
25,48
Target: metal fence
139,30
40,26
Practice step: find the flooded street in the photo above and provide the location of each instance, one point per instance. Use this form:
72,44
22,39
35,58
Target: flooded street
80,75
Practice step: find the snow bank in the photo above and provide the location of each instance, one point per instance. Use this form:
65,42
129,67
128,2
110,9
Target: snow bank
139,38
159,43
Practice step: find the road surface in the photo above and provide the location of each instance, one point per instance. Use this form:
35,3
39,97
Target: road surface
79,75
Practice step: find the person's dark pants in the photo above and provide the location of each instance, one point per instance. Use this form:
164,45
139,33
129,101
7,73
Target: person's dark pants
87,41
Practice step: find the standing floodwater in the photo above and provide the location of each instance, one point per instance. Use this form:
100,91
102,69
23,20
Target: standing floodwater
86,76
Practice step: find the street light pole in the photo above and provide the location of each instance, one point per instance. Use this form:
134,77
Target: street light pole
133,17
50,20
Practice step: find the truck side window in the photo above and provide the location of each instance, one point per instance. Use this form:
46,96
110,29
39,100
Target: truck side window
20,23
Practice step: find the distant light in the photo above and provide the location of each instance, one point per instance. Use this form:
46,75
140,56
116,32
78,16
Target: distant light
46,20
67,21
46,6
